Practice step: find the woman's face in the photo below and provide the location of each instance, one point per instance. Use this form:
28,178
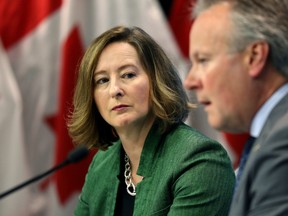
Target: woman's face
121,91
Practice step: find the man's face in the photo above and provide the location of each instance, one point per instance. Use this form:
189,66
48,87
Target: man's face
217,74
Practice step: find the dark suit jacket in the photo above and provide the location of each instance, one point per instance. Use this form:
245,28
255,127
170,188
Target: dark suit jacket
263,188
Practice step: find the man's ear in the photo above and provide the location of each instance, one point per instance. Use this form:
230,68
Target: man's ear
256,56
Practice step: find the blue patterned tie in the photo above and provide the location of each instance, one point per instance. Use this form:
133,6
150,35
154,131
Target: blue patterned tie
244,157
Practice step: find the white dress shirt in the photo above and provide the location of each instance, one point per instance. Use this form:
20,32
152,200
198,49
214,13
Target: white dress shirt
263,113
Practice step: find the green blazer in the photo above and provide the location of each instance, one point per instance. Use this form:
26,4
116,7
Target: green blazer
185,173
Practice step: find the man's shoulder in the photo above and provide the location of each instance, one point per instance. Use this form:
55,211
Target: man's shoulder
276,126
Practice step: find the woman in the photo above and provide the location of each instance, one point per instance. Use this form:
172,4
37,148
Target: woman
129,103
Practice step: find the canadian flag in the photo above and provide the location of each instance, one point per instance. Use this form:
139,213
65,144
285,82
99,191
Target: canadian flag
42,43
13,154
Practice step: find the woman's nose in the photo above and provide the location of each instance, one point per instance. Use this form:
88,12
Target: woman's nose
115,89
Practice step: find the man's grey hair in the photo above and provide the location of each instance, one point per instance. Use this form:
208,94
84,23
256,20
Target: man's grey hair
254,20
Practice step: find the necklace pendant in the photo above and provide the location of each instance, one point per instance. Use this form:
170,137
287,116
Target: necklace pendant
131,189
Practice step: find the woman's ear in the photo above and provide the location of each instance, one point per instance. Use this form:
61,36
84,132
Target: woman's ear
257,54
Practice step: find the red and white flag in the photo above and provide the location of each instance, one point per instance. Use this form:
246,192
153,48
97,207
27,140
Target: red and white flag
13,152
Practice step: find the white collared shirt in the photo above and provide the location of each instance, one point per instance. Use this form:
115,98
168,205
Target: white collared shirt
263,113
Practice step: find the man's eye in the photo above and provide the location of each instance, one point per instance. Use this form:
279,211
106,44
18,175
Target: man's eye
202,60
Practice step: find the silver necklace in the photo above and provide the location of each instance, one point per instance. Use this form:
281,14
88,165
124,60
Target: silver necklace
131,189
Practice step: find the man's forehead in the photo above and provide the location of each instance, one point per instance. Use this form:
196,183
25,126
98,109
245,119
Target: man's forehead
215,20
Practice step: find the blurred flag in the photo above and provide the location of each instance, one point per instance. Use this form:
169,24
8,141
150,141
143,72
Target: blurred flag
43,42
13,153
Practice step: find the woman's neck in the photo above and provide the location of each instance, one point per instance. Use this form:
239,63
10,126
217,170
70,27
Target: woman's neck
133,139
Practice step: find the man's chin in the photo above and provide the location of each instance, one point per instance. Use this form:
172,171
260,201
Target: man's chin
214,123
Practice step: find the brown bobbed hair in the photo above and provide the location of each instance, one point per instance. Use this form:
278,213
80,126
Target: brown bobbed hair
169,101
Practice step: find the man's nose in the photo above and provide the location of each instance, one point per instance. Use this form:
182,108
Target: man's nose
191,82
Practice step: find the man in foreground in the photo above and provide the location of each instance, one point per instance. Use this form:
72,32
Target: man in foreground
239,55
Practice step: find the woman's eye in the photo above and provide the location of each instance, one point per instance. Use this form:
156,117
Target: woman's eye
129,75
101,81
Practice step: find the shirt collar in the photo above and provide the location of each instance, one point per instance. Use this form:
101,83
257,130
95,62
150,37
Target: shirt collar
263,113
